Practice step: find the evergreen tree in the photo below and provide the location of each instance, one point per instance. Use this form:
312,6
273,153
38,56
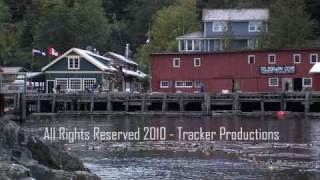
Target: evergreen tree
290,26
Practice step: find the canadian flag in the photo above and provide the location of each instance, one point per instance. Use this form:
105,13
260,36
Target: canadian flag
52,52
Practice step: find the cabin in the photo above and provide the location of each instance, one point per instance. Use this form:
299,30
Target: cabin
226,29
128,77
79,70
276,70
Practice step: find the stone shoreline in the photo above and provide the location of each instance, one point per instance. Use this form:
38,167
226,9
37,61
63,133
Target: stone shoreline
26,157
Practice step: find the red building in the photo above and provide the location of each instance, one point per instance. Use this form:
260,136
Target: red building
247,71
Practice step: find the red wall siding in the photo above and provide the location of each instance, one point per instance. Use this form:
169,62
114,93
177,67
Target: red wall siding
217,70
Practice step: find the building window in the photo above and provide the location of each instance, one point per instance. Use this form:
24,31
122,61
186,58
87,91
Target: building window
307,82
313,58
197,62
75,84
297,58
251,59
272,59
179,84
273,82
62,83
88,83
176,62
189,45
164,84
255,26
197,84
73,62
188,84
182,45
197,45
219,26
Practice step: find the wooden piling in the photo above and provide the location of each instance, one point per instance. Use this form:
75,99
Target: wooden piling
307,103
92,103
235,104
23,107
143,103
53,105
181,103
164,103
38,105
262,106
109,108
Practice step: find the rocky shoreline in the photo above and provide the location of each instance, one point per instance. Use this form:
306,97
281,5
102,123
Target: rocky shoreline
26,157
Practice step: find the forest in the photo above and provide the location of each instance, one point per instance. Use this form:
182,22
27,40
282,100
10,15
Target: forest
147,25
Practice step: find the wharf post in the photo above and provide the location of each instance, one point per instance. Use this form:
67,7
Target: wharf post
307,103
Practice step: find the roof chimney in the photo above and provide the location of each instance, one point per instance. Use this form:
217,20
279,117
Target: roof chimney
127,52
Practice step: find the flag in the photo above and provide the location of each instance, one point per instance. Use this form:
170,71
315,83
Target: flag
52,52
36,52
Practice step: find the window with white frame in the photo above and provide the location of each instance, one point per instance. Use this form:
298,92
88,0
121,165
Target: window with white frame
75,84
179,84
176,62
251,59
307,82
188,84
272,59
255,26
296,58
197,84
73,62
219,26
62,83
197,45
189,46
273,82
88,83
182,45
197,62
164,84
313,58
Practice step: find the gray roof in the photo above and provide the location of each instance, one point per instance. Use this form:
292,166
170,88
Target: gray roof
194,35
13,70
122,58
235,14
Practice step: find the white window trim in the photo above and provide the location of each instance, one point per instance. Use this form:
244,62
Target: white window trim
174,64
294,58
176,82
161,86
81,84
195,84
256,26
310,57
195,60
73,57
94,79
272,85
223,26
303,82
185,84
63,79
254,59
269,58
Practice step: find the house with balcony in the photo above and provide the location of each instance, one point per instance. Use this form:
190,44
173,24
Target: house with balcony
226,29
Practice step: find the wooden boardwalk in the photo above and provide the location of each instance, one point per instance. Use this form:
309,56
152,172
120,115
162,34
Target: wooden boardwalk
158,102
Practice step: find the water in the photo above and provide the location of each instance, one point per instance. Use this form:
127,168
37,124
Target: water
296,158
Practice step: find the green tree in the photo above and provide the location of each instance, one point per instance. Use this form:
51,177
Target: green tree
168,23
65,27
290,26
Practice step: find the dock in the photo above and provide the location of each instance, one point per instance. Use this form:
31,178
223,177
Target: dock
200,103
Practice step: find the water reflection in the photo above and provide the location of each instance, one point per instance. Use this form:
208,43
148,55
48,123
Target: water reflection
170,165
